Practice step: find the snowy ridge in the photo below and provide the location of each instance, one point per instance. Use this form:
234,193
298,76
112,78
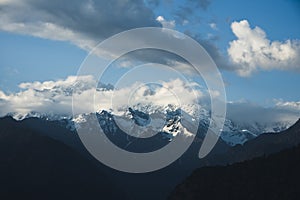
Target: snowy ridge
233,133
52,100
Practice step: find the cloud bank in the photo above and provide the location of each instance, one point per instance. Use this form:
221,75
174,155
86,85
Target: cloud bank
246,112
55,98
83,23
86,23
253,51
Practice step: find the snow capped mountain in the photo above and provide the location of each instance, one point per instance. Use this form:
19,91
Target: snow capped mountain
165,120
152,110
46,116
140,118
238,133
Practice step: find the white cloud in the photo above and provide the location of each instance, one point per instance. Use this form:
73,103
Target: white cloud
213,26
246,112
83,23
166,24
86,23
292,105
185,22
49,31
82,83
55,97
253,51
49,97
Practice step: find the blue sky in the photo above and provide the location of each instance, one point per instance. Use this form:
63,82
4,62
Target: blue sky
28,55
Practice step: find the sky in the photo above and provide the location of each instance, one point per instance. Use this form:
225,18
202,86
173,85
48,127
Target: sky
255,44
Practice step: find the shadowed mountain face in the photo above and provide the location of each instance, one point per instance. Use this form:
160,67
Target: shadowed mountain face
264,144
155,185
26,141
273,177
267,143
33,166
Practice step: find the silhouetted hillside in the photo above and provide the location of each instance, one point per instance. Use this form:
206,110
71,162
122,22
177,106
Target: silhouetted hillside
33,166
154,185
27,141
264,144
274,177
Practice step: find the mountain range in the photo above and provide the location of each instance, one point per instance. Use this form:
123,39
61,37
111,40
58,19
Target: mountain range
152,185
233,132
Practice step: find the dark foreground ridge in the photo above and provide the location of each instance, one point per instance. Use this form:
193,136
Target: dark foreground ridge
33,166
39,158
273,177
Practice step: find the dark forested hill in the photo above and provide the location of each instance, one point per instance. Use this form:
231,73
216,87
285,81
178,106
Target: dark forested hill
33,166
40,158
264,144
269,177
